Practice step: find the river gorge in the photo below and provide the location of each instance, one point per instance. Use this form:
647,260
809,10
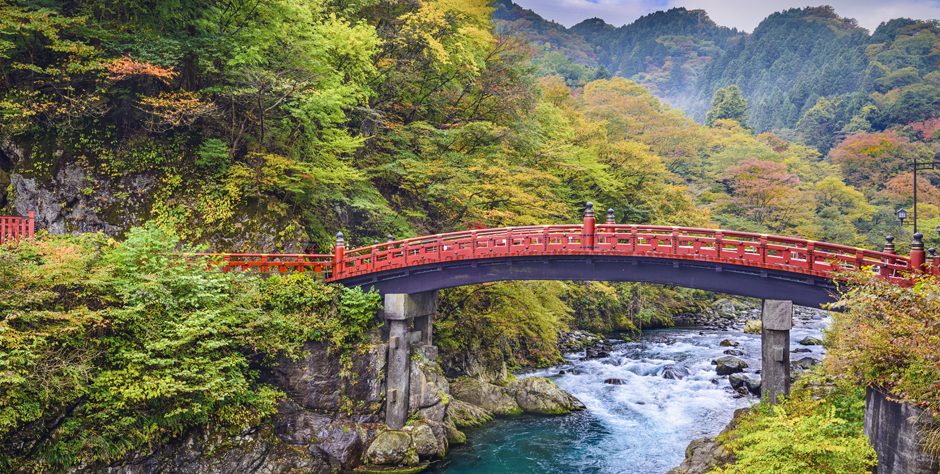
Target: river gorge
642,425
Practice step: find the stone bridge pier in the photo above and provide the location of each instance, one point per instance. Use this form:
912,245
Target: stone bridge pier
409,319
776,322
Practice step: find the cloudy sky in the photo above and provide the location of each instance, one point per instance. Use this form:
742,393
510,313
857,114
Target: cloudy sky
740,14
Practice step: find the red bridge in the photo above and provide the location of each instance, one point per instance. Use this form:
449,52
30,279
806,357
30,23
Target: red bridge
740,263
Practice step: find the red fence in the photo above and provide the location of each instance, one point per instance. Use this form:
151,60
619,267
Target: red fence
738,248
272,263
14,229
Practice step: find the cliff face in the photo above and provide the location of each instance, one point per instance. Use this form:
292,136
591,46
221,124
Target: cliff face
71,196
324,423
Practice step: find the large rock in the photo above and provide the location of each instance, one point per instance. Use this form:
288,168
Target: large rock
811,341
724,307
737,380
539,395
729,343
753,326
728,365
425,441
753,385
392,447
485,395
463,414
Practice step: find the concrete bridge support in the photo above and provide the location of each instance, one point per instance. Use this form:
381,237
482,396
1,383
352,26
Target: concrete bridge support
400,311
776,322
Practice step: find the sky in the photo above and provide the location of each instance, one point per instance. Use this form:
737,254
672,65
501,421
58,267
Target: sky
740,14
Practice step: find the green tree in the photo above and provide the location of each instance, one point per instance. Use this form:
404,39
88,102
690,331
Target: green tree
728,104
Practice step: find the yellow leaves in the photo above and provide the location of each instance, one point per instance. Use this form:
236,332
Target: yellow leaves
174,109
454,32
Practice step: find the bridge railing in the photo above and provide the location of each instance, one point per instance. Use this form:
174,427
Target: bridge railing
15,229
270,263
743,248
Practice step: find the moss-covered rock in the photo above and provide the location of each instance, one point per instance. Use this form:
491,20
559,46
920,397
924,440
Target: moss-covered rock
454,436
540,396
425,442
462,414
728,365
752,327
490,397
392,447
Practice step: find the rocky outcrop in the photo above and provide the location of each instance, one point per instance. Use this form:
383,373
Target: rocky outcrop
540,396
810,341
73,198
487,396
704,454
463,414
315,429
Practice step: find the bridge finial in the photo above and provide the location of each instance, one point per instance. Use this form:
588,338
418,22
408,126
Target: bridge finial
339,240
589,212
390,238
932,252
889,244
610,216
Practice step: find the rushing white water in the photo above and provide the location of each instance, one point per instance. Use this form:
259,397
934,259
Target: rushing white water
642,426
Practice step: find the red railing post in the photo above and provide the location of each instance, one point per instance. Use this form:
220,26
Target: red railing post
763,248
587,231
339,253
227,266
810,246
31,224
888,249
675,240
918,256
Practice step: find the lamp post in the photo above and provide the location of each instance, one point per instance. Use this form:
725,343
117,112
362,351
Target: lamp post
902,214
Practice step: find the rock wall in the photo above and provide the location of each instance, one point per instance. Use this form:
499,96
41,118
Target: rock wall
72,198
892,432
325,424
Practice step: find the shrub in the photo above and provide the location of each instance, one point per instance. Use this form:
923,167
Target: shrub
106,348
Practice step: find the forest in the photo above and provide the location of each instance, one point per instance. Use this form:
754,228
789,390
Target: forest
429,116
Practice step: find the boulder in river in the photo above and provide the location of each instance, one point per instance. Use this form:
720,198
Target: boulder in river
734,352
705,454
737,380
425,442
753,385
729,343
615,382
799,350
752,327
539,395
810,341
728,365
674,372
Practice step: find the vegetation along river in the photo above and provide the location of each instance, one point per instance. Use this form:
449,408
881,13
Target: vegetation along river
642,426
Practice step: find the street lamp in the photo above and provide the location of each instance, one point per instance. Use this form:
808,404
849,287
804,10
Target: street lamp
902,214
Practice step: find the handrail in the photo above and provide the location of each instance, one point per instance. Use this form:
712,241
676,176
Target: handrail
790,254
14,229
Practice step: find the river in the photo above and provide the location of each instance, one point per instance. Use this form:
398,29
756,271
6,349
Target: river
640,427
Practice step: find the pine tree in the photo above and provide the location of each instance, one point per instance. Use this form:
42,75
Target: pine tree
728,104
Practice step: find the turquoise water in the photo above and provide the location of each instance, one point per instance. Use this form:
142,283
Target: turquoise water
643,426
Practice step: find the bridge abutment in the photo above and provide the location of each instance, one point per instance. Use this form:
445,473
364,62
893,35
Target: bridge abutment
400,310
776,322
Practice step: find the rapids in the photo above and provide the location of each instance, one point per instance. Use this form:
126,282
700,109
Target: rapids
640,427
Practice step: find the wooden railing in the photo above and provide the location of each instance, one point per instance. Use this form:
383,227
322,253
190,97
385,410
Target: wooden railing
738,248
15,229
271,263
